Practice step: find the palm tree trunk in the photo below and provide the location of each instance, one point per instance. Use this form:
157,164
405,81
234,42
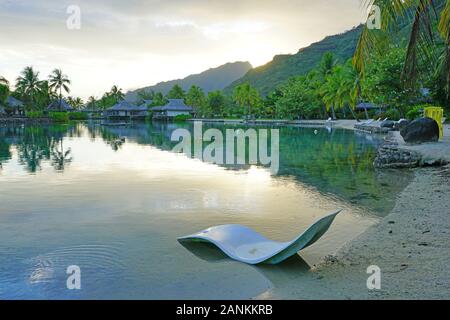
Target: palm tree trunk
367,114
60,98
333,113
353,113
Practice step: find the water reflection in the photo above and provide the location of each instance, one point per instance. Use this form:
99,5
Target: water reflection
337,161
118,208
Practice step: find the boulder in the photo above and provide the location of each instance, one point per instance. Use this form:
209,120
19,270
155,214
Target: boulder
421,130
399,125
387,124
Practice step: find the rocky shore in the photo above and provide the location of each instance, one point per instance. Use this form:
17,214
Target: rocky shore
395,153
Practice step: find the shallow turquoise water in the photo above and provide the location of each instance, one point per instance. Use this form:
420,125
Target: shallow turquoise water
77,195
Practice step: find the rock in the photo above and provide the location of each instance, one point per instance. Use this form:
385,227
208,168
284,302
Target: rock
399,125
387,124
421,130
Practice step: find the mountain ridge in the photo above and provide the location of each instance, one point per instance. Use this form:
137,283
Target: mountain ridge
217,78
268,77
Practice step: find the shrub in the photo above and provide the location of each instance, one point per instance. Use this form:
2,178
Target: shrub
59,116
78,116
392,114
415,112
182,117
34,114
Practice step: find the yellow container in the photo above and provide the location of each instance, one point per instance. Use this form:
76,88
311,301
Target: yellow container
437,114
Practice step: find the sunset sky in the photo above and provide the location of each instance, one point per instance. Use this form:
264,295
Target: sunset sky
137,43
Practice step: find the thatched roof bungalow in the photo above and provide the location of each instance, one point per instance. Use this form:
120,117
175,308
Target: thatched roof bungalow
14,106
126,109
58,105
174,108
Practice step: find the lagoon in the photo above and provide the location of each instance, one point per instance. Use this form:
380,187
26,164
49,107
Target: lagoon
79,194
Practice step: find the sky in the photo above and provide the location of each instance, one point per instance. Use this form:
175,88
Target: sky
137,43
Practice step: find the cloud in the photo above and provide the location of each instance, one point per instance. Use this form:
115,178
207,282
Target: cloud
167,37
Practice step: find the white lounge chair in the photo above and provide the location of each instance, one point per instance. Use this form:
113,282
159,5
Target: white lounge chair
246,245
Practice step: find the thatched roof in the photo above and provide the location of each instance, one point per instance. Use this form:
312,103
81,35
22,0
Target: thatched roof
55,106
13,102
127,106
174,105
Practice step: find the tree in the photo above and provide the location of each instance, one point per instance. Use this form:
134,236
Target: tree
117,93
383,85
57,82
176,93
196,99
28,86
92,103
216,102
423,47
44,96
4,93
4,81
247,97
76,103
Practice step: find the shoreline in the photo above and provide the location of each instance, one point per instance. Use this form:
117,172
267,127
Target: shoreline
410,245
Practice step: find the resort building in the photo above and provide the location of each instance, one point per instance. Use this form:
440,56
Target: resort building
59,105
174,108
14,106
125,109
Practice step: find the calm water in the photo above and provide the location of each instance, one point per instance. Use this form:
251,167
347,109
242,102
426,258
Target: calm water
77,195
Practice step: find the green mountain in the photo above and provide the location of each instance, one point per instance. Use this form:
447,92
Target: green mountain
210,80
269,76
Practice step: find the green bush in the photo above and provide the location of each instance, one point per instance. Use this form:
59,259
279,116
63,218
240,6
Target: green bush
415,112
391,114
182,117
59,116
34,114
78,116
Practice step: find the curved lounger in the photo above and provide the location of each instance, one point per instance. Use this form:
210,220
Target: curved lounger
245,245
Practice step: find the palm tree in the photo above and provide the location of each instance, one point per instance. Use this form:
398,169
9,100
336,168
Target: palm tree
77,103
92,102
117,93
246,96
59,81
422,45
28,84
4,81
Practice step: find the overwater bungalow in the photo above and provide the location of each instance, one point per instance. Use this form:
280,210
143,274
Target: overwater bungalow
14,107
58,105
174,108
125,109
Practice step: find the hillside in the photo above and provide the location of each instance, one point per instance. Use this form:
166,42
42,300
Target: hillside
269,76
210,80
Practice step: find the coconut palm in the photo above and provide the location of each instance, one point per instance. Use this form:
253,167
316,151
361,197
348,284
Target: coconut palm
77,103
117,93
247,96
28,84
92,102
4,81
57,82
422,44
